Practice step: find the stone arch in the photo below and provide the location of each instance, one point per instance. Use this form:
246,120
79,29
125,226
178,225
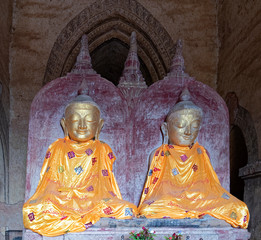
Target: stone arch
108,19
4,186
239,116
243,146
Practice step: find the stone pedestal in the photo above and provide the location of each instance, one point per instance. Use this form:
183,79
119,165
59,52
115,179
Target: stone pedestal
208,228
251,174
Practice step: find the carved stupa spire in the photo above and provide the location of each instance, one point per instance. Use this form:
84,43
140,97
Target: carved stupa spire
83,63
177,67
131,76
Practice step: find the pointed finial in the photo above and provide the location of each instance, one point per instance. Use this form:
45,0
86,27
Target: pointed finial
133,43
178,60
179,46
131,76
132,63
83,62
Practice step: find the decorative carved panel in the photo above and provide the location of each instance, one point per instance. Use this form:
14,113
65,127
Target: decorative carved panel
107,19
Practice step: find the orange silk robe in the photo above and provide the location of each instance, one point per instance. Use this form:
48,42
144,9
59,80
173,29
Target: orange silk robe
182,184
77,187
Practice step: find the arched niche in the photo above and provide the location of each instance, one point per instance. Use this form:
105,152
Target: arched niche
238,159
112,21
239,116
243,144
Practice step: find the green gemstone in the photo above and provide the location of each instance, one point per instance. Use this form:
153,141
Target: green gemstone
61,169
167,153
106,199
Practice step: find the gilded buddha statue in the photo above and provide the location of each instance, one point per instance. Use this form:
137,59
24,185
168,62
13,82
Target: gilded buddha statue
181,182
77,186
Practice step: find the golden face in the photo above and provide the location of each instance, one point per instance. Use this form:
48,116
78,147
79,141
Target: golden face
183,127
82,121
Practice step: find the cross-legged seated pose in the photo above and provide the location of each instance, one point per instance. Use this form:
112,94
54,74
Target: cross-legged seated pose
181,182
77,186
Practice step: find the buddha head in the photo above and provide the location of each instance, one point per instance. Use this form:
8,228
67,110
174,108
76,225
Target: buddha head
183,121
81,119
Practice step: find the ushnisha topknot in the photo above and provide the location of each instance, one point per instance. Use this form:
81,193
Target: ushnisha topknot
83,97
185,102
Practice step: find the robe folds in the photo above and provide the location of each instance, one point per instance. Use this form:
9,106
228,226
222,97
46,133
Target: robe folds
183,184
77,187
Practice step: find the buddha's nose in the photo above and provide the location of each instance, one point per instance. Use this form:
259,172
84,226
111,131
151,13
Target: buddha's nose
82,124
188,130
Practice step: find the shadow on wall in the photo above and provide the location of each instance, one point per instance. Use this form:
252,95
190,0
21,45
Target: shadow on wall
3,152
238,159
244,163
13,235
243,143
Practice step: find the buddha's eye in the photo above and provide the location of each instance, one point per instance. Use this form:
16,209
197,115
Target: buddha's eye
195,124
90,122
73,118
90,119
180,124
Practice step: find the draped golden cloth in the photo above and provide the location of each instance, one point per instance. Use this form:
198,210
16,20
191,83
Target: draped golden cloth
77,187
182,184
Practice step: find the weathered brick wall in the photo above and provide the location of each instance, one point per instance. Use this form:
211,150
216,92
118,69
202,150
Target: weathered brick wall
5,38
239,70
5,29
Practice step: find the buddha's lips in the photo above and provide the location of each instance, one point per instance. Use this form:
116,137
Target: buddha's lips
82,132
186,138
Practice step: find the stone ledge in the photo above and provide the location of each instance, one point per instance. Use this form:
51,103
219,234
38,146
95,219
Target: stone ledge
207,228
123,234
251,170
207,221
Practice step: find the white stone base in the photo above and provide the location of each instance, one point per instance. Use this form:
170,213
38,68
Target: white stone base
191,229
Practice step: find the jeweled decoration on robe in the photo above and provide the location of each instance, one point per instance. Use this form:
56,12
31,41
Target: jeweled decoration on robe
77,187
187,187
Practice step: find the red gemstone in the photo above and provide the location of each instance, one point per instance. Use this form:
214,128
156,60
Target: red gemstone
107,211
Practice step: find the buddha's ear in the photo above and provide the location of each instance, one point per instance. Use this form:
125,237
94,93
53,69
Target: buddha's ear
64,127
99,127
164,129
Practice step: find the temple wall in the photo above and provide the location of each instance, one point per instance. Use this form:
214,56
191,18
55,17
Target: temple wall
5,38
225,56
221,49
35,29
239,67
239,71
5,29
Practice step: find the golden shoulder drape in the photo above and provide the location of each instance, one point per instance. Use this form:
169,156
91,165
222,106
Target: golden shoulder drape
77,187
182,184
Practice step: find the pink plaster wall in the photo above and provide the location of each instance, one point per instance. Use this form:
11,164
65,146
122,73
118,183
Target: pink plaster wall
149,114
47,110
132,139
132,121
